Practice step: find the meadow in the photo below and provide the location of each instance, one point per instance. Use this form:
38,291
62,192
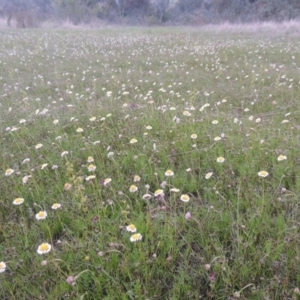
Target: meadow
150,163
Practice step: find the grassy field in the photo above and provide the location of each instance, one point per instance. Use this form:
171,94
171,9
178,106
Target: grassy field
155,163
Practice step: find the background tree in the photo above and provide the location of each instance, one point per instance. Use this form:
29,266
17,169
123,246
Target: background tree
76,11
161,8
25,13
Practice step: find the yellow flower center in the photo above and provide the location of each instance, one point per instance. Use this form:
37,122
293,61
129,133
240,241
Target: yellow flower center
133,188
158,192
44,247
135,236
185,198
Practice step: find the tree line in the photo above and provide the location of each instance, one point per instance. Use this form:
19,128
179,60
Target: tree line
30,13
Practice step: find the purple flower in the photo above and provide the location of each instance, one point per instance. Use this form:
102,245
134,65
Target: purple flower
212,277
71,280
95,219
188,215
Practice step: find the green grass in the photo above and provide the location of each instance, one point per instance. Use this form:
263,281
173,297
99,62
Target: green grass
242,237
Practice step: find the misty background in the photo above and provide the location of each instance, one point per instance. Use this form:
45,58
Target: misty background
33,13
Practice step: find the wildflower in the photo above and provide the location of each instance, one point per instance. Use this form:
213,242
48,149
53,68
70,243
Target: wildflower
296,291
2,266
212,277
72,279
136,178
158,193
95,219
44,263
186,113
25,179
106,181
147,197
263,173
92,119
55,206
8,172
110,154
185,198
44,166
18,201
217,138
38,146
55,121
220,159
202,107
79,129
284,121
176,120
90,159
67,186
64,153
148,127
42,215
281,157
131,228
44,248
188,215
250,118
174,190
133,188
188,170
169,173
133,141
163,184
92,168
136,237
91,177
26,160
258,120
193,136
215,122
208,175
